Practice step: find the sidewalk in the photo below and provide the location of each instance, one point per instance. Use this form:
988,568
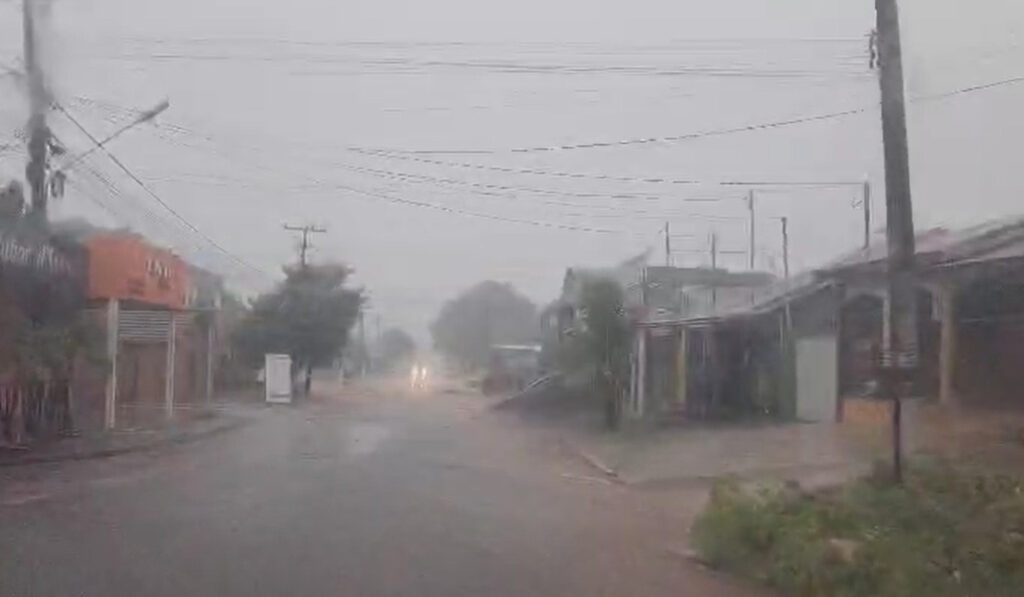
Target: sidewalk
814,455
104,444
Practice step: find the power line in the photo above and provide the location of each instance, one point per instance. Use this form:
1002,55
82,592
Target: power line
474,214
589,176
540,191
667,139
145,116
546,224
710,133
97,201
156,197
403,156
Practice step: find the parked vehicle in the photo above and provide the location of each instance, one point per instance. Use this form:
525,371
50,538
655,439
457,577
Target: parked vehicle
512,368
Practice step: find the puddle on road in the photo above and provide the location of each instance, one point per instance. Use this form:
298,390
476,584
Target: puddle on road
20,494
354,440
363,439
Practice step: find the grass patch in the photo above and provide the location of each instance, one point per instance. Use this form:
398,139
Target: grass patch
945,533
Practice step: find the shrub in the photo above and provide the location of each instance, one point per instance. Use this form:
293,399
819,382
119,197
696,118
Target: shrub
945,533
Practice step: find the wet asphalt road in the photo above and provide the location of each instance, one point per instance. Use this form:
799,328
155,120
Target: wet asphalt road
370,493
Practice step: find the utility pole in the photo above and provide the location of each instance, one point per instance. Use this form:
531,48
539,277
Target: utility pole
867,213
900,359
305,246
714,269
668,246
785,245
365,360
38,132
750,207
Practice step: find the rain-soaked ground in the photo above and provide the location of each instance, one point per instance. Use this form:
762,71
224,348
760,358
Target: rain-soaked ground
371,491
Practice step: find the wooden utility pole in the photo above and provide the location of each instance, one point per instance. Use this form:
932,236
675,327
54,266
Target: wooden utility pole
750,207
785,245
900,360
38,132
305,245
668,246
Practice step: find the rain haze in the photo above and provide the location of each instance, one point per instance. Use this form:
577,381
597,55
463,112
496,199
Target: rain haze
468,298
274,106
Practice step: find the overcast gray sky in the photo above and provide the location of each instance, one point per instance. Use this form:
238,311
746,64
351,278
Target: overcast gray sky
274,105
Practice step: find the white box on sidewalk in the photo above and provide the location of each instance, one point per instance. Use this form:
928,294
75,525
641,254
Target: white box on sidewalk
277,382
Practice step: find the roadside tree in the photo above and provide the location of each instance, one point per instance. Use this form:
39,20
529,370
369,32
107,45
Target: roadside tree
487,314
602,344
307,316
396,348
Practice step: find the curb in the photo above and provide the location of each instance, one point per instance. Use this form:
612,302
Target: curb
593,461
750,475
179,439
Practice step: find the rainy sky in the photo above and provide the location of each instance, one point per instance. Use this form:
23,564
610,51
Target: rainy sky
449,141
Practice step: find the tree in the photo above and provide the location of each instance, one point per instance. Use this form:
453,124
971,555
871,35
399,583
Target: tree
307,316
487,314
603,343
396,347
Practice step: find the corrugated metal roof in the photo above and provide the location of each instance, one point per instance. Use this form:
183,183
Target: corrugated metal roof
940,246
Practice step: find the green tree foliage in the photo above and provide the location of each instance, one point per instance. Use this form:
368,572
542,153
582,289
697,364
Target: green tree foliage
396,347
487,314
308,316
603,343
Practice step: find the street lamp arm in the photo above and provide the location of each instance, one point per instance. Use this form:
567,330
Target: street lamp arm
145,116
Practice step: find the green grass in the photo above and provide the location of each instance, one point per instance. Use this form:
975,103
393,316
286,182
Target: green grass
945,533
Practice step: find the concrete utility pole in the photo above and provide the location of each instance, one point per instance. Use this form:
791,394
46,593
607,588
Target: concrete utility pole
867,213
170,368
305,246
750,207
900,359
785,245
668,246
714,269
362,341
38,132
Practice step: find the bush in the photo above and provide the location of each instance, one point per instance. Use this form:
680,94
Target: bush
945,533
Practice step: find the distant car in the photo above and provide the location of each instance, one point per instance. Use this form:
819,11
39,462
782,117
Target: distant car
418,376
512,368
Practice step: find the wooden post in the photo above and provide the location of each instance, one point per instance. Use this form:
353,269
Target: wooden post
110,398
169,369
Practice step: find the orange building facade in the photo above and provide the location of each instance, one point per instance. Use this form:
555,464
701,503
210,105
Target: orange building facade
125,267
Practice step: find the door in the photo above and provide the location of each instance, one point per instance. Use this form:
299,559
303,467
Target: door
816,379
